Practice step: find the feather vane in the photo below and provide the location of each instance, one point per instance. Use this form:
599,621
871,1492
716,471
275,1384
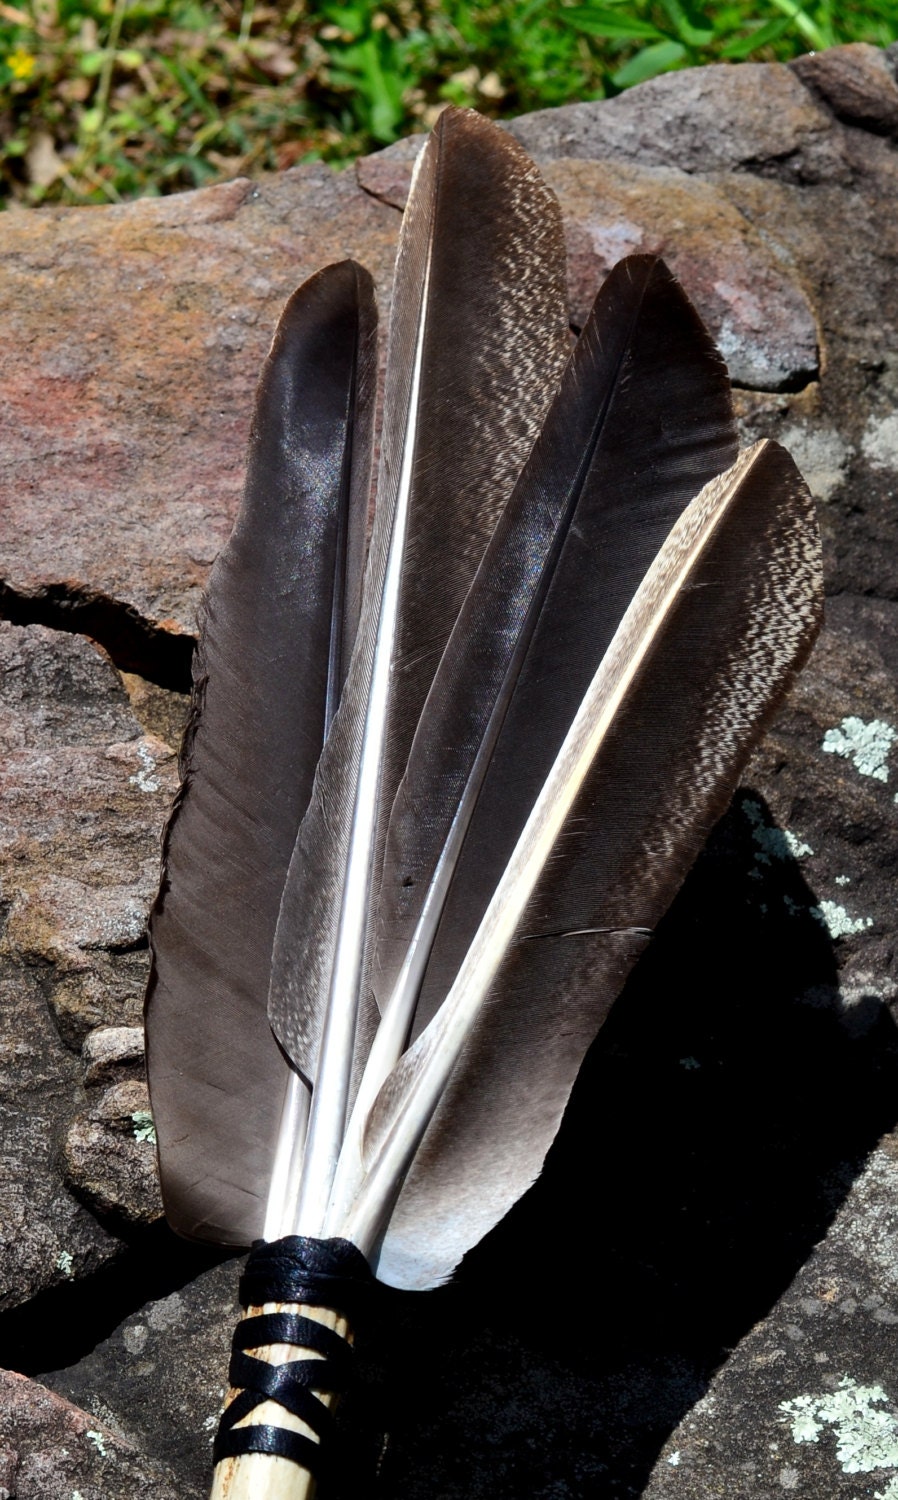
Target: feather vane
278,624
641,421
478,337
712,637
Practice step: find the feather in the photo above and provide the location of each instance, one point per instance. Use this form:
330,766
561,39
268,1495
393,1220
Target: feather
708,645
641,421
278,624
477,340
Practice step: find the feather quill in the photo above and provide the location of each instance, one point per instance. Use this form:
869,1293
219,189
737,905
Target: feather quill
478,337
278,624
709,643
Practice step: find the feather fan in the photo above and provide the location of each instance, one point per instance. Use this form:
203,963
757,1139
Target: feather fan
579,611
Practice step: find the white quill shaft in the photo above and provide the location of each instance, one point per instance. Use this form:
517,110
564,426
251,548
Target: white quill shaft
411,1096
331,1090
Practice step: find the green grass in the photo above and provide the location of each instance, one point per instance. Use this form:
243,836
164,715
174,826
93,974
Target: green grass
110,99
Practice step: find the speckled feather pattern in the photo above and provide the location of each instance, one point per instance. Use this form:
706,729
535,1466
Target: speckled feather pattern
641,421
739,631
483,234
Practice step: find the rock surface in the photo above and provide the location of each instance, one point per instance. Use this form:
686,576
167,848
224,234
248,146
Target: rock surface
55,1450
720,1208
137,398
84,794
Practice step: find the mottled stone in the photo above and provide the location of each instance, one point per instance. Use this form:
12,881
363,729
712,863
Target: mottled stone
387,174
109,1155
160,1377
111,1051
137,397
57,1452
808,1403
84,792
84,796
46,1236
744,286
856,82
755,117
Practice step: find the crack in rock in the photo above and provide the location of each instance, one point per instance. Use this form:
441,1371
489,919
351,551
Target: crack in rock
136,645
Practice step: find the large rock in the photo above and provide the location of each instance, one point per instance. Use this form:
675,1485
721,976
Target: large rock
84,793
730,1327
56,1452
125,411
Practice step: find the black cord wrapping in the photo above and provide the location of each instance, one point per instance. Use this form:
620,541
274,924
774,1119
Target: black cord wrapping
318,1273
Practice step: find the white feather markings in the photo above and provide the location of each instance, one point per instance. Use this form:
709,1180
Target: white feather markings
365,1190
327,1117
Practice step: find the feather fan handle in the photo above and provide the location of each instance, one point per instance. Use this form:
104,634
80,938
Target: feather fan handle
278,619
477,341
749,538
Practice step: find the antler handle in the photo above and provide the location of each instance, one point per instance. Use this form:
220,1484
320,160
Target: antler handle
270,1475
291,1359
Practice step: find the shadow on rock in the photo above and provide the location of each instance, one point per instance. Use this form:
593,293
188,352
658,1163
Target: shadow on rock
718,1122
61,1327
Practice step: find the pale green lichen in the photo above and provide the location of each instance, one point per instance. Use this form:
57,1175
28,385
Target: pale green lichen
772,843
796,846
145,778
889,1493
837,921
674,1459
822,456
64,1262
866,1436
98,1441
865,742
843,880
144,1129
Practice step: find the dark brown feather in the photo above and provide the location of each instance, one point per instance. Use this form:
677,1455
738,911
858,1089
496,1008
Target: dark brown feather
641,421
480,281
278,623
739,631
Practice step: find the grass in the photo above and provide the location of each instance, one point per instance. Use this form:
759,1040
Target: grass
102,100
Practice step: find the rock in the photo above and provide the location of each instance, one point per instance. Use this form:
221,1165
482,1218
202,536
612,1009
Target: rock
110,1155
753,118
744,286
142,479
111,1051
84,795
733,1131
59,1452
806,1404
162,713
160,1377
46,1236
387,174
856,82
